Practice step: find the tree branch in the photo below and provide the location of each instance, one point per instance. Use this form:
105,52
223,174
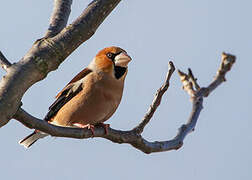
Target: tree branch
193,79
227,61
82,28
59,18
189,81
134,137
156,101
47,54
5,64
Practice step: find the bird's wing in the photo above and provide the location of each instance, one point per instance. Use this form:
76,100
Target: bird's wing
67,93
78,77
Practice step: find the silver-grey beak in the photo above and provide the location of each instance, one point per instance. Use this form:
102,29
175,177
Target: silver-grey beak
122,59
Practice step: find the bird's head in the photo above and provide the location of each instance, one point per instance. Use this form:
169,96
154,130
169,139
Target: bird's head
112,60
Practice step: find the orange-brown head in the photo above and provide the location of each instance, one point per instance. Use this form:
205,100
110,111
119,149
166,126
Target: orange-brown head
111,60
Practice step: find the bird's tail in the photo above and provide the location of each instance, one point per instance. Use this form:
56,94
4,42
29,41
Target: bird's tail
32,138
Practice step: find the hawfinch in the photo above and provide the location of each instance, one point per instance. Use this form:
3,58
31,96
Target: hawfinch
91,97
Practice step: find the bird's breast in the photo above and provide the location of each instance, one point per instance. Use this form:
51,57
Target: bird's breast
95,103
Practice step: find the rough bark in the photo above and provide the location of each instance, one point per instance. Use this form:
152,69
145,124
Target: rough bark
59,18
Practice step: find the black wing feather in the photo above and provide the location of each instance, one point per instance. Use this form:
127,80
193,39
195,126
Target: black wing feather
65,96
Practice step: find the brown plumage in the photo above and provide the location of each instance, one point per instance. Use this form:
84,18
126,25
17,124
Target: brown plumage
92,96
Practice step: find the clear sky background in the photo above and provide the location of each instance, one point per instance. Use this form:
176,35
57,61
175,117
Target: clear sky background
192,34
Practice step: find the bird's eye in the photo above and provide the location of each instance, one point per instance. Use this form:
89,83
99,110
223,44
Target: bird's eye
110,55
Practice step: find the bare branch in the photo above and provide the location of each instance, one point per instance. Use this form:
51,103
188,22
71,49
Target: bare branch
133,137
59,18
82,28
188,81
156,101
227,61
117,136
5,64
187,84
193,79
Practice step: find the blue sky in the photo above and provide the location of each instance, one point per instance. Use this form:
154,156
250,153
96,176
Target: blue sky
192,34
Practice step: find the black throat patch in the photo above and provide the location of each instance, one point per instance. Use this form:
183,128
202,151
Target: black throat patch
119,71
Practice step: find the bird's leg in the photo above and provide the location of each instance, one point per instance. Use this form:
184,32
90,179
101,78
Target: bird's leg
88,126
105,126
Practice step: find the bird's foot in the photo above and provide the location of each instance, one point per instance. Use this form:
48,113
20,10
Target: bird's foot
105,126
88,126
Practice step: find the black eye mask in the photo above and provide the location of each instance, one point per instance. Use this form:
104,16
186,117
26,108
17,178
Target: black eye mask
118,70
112,56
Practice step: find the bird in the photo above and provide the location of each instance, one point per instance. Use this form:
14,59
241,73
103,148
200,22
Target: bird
91,97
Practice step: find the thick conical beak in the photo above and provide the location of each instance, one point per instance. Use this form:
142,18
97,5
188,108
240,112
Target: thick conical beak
122,59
